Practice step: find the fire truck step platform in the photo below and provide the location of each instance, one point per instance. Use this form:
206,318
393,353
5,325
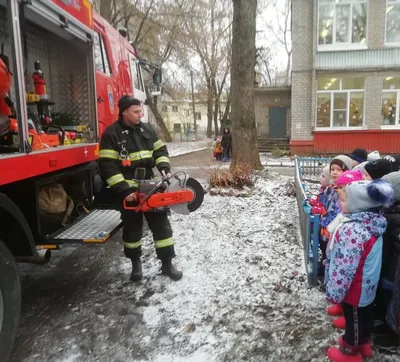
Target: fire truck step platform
95,227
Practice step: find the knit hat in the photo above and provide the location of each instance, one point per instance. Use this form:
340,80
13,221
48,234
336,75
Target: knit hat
359,155
373,156
326,172
395,159
394,179
365,195
377,169
343,161
126,101
360,166
349,176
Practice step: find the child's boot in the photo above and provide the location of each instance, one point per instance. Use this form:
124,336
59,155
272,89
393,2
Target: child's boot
339,323
365,349
335,311
344,354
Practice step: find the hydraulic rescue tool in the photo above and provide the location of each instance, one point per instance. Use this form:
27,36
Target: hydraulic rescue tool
178,192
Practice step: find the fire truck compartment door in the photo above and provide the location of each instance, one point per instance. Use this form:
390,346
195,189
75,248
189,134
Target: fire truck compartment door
57,20
95,227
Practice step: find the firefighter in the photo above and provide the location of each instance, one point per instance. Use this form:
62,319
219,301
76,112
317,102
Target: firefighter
129,149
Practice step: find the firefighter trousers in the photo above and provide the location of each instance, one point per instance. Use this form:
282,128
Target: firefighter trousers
133,232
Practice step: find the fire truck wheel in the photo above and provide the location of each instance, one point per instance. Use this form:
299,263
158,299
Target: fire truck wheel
10,301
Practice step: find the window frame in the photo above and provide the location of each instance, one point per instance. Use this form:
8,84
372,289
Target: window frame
138,73
105,59
175,108
387,43
342,46
397,117
332,92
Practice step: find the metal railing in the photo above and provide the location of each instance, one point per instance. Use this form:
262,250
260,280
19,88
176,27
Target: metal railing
309,223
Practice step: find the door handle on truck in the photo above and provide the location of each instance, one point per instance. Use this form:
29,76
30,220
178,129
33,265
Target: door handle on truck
100,100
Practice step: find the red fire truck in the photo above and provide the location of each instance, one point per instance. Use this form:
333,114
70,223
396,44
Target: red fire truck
62,71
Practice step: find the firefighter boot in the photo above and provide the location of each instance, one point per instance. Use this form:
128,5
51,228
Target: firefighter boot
168,268
137,273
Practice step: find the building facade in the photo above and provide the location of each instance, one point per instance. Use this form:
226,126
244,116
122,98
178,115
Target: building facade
345,76
273,111
178,117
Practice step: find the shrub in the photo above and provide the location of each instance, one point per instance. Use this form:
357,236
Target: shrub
279,152
240,177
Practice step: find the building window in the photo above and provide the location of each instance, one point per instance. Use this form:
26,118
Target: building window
165,109
197,116
393,21
177,128
342,22
390,99
174,108
340,102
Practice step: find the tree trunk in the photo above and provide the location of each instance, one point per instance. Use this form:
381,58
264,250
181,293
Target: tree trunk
216,114
244,133
159,119
227,109
210,101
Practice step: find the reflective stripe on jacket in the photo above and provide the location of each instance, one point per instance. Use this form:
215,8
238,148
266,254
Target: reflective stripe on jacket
123,149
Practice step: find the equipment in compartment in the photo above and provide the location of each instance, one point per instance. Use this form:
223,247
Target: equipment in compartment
59,102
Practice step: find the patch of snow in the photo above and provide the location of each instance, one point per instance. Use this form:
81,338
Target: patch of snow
243,296
183,148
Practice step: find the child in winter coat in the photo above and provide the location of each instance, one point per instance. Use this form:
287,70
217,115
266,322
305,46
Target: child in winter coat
354,265
386,334
317,203
337,166
346,178
218,150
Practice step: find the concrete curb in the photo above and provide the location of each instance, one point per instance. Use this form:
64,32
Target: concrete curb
187,152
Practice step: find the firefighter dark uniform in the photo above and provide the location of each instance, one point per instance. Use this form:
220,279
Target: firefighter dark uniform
124,149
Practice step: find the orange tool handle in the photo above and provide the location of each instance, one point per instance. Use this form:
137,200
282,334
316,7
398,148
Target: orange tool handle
161,200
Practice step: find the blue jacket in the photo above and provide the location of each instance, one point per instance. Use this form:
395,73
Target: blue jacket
354,263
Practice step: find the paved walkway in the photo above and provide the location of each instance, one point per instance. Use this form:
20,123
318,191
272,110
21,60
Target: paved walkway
198,165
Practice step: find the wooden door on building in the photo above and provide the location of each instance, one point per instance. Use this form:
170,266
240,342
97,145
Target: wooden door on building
277,122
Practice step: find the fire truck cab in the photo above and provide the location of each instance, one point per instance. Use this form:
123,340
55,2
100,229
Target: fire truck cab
66,68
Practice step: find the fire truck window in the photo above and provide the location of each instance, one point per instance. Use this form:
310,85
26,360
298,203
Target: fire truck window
137,82
101,56
106,58
97,53
139,73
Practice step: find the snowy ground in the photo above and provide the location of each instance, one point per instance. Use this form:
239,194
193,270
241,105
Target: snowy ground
244,295
182,148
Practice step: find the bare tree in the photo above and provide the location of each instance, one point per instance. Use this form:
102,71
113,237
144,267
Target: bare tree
245,148
281,31
207,35
144,24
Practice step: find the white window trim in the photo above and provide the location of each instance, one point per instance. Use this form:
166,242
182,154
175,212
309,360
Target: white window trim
332,92
335,129
387,43
342,46
397,119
